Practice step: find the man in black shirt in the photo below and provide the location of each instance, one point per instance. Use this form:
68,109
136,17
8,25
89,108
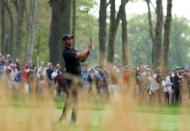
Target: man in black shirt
175,79
72,64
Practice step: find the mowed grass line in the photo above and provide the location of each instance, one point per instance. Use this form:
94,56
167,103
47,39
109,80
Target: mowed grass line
165,118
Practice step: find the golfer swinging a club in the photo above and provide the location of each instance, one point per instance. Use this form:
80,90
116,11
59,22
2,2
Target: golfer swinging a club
72,64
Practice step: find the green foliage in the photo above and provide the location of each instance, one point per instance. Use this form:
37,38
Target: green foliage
179,49
43,20
41,38
139,40
140,44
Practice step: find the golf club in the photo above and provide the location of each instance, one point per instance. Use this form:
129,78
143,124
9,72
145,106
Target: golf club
86,10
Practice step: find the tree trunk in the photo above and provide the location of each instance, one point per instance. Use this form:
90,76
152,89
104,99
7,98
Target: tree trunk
114,22
102,31
167,28
74,20
38,45
11,30
151,29
157,46
7,30
0,22
20,7
2,27
111,32
60,24
31,30
124,37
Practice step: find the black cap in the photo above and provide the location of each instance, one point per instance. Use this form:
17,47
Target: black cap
67,36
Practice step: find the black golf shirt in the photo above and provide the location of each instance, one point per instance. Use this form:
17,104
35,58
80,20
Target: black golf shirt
72,64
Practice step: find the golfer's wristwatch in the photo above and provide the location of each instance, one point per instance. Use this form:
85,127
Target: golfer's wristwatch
90,51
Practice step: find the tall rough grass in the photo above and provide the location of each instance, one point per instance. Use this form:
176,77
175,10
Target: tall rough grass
38,112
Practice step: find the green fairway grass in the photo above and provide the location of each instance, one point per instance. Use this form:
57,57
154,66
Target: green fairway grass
156,118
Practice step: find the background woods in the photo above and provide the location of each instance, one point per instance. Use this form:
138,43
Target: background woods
31,28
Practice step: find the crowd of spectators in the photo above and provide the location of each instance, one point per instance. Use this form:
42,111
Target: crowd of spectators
152,83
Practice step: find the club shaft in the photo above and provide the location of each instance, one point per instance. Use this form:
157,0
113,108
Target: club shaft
89,26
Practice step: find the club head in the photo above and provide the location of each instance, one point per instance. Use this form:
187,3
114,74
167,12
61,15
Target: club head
84,9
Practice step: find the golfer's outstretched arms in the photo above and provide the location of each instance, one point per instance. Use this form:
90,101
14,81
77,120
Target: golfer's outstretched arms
82,56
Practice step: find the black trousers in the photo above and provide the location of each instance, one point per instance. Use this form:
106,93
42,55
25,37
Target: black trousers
177,96
71,100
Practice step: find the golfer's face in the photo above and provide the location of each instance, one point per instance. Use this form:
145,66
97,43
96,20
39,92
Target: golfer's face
68,42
